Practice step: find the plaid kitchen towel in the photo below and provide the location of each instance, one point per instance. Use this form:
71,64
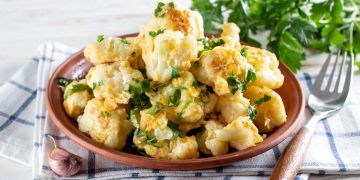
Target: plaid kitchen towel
24,124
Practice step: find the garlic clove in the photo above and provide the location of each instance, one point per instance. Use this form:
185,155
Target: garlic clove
64,163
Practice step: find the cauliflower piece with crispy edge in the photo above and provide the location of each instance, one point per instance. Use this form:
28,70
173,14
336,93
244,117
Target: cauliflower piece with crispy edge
266,66
109,81
240,133
208,142
232,106
270,114
166,52
178,18
75,103
109,127
113,49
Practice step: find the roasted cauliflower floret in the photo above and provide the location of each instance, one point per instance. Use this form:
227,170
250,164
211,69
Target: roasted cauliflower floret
240,133
270,111
162,151
230,35
219,63
232,106
155,124
177,18
76,96
184,148
208,142
183,100
167,52
266,66
112,49
109,82
108,127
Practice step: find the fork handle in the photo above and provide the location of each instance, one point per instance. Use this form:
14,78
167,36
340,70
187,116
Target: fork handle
290,161
293,156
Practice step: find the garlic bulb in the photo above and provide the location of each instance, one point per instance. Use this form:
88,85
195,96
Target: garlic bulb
62,162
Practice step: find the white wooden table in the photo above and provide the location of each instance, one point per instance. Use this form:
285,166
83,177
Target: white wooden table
24,24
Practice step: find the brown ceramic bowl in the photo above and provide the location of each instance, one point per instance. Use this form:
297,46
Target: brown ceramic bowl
76,65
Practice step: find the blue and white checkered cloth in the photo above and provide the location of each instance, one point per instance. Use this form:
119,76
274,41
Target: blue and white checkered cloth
24,124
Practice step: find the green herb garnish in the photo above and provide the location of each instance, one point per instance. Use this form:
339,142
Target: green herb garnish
259,101
100,38
106,114
238,85
244,52
63,81
175,96
138,131
155,109
210,44
76,88
155,33
174,128
180,114
126,42
139,99
100,83
252,112
174,72
160,10
171,5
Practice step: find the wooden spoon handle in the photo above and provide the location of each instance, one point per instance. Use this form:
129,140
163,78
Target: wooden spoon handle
291,159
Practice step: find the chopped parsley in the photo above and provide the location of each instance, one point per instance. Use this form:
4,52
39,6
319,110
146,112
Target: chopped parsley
244,52
252,112
106,114
139,98
210,44
180,114
63,81
171,4
237,84
174,128
93,85
100,38
125,42
155,33
259,101
160,10
155,109
175,96
138,131
100,83
174,72
76,88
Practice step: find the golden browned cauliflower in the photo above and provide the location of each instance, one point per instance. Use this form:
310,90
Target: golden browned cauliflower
219,63
177,18
208,142
108,127
270,108
240,133
232,106
155,124
230,35
266,65
112,49
76,96
184,101
167,52
109,81
184,148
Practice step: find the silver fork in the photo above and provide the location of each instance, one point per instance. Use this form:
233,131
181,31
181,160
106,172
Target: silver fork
324,103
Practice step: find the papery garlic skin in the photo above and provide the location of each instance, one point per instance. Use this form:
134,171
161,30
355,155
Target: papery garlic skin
64,163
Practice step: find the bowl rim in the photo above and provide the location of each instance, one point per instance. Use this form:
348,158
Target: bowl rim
189,164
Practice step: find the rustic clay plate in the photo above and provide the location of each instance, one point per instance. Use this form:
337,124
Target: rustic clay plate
76,66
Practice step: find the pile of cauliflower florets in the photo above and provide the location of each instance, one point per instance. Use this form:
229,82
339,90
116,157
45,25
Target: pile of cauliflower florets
176,92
